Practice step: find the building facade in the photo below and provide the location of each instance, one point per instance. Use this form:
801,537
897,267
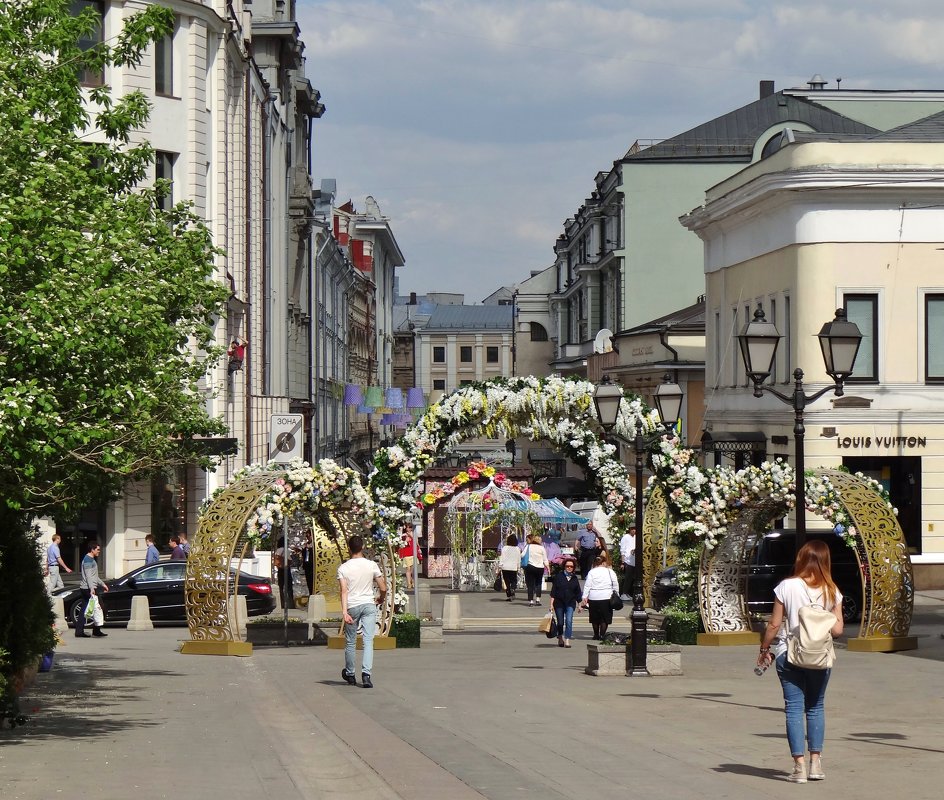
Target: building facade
853,223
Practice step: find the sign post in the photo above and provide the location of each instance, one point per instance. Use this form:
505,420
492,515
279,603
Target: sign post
285,437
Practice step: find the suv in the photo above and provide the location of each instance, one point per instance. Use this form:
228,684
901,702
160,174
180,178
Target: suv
772,561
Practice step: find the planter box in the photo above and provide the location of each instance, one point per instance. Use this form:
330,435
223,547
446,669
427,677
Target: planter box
431,633
661,660
607,659
273,633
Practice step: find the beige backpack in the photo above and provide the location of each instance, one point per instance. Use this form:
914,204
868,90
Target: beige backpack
811,646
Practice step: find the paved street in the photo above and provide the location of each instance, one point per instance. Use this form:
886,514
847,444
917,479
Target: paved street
498,712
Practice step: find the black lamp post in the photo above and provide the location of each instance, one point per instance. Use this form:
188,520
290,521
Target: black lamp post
607,398
839,341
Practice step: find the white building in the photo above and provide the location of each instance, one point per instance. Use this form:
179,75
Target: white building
840,222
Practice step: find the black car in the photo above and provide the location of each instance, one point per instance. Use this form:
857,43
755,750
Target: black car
771,562
163,585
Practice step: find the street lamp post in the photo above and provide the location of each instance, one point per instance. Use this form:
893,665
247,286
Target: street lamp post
839,341
607,398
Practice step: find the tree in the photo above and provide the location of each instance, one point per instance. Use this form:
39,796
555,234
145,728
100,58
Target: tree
107,303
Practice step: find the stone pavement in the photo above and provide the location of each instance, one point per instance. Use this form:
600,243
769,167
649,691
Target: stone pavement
498,712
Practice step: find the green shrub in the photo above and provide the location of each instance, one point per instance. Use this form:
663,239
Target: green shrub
681,627
26,615
406,630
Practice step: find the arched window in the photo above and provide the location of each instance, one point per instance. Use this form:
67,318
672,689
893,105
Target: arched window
538,332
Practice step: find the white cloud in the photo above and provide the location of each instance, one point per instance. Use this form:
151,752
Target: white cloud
480,124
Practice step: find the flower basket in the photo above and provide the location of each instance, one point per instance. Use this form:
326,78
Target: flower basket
406,630
681,627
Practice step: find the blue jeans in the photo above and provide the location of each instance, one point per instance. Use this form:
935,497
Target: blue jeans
804,692
366,616
565,620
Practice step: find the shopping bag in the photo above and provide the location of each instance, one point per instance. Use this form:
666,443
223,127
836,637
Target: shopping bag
90,608
498,585
546,621
553,630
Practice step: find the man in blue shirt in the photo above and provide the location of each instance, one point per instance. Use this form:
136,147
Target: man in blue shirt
54,563
587,549
153,555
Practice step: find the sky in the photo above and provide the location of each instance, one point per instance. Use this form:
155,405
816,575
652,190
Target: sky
479,125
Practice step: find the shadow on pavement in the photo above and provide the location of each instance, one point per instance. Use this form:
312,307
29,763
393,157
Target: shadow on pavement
755,772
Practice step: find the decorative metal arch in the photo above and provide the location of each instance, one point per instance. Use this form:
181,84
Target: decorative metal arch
220,538
658,550
888,582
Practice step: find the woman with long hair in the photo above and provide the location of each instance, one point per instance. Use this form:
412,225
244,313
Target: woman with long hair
534,569
804,690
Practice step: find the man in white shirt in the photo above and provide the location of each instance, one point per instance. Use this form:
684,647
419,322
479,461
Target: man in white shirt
627,548
358,576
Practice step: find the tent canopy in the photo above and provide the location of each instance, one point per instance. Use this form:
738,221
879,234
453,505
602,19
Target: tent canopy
550,510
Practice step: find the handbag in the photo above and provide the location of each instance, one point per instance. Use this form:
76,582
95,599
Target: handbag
616,602
524,556
811,647
498,585
546,621
552,632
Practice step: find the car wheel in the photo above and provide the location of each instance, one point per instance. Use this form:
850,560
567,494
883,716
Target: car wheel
851,609
75,611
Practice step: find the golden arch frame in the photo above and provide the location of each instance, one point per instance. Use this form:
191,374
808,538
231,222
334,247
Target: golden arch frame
220,538
887,576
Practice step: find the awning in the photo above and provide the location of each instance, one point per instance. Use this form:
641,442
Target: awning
733,442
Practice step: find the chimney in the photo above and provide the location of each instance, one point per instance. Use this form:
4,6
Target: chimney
412,298
816,83
766,89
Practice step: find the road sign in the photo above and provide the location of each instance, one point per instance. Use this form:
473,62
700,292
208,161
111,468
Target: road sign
285,437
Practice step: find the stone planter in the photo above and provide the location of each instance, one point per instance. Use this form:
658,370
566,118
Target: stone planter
431,633
607,659
661,660
273,633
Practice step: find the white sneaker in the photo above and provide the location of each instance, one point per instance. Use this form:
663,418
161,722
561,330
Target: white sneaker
799,773
537,602
626,598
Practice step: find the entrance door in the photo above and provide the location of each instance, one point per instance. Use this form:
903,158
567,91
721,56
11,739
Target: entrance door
901,477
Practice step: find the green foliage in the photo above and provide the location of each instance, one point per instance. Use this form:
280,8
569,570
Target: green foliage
106,307
26,617
681,627
406,630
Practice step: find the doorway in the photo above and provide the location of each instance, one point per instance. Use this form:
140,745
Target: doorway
901,477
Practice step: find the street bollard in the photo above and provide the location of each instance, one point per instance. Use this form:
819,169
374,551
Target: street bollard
140,614
452,613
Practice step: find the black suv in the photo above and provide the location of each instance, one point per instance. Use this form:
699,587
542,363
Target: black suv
771,562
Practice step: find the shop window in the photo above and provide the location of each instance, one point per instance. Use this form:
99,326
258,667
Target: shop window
168,505
439,355
91,77
934,338
491,355
465,354
862,309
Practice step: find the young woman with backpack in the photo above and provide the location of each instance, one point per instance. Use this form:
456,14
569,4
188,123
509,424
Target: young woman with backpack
804,689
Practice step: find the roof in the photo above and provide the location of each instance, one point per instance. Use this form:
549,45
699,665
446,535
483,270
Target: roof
471,318
732,136
928,129
689,318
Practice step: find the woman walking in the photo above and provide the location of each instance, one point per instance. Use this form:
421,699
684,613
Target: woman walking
600,584
509,562
565,594
534,570
804,690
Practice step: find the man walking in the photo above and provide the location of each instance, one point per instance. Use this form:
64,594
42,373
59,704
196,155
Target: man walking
153,555
54,563
89,584
358,576
586,549
627,548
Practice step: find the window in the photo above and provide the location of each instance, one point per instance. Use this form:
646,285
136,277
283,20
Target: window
439,355
491,355
773,319
164,170
439,385
736,329
862,309
465,354
164,65
538,332
465,383
934,338
787,341
91,77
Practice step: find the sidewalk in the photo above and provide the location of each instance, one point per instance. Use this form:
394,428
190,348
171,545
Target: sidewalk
496,713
